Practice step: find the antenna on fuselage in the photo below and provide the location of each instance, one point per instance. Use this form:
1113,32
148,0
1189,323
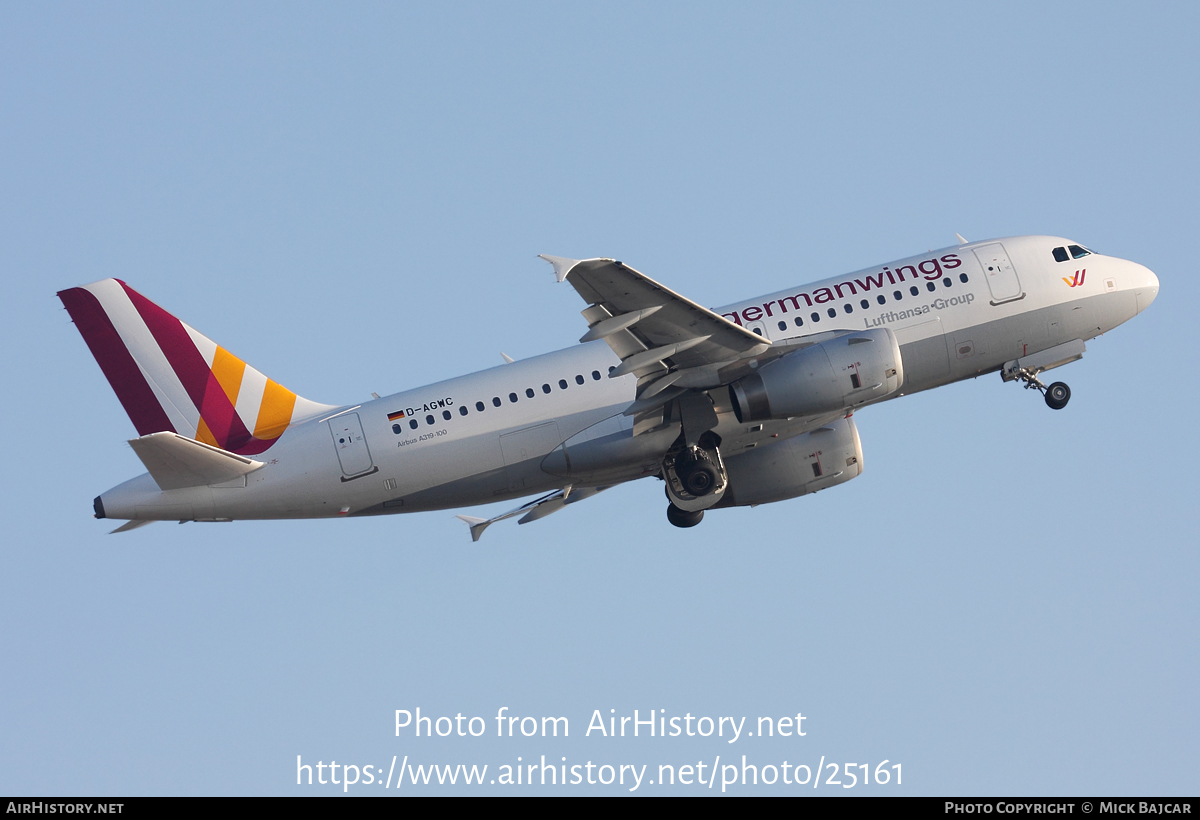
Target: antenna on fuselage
961,239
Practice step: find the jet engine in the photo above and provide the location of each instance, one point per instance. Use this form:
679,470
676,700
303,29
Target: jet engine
841,372
822,458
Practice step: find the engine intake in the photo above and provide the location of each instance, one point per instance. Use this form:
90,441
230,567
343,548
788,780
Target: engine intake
841,372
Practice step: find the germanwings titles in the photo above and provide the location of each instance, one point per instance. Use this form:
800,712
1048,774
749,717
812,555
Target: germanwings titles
746,404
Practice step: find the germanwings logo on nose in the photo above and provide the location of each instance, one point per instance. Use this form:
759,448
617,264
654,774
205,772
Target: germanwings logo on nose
1076,280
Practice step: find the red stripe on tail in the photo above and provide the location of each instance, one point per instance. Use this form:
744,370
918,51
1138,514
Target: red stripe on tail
115,361
193,372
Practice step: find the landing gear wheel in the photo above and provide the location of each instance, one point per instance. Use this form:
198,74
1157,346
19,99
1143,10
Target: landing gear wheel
683,518
1057,396
700,480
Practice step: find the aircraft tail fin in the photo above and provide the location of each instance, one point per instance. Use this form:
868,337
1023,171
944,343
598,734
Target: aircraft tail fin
171,378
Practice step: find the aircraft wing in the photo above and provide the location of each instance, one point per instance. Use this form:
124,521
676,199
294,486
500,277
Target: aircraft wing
538,508
667,340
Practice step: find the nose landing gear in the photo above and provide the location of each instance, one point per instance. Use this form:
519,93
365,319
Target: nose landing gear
1027,369
1057,394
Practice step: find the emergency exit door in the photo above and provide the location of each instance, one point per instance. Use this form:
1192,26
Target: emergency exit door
351,444
999,272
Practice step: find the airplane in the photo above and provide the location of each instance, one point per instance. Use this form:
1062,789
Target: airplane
747,404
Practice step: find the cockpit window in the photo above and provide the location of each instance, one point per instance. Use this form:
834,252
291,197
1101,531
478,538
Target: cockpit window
1078,251
1060,254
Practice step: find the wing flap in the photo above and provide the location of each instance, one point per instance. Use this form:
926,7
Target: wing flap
626,304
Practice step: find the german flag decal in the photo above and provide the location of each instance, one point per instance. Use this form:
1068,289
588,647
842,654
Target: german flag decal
399,414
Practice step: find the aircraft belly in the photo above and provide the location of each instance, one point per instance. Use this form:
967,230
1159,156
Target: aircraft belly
925,356
1100,314
141,499
421,465
985,347
609,452
481,488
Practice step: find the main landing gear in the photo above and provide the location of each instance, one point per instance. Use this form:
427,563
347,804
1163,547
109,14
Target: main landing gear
695,479
1057,395
692,470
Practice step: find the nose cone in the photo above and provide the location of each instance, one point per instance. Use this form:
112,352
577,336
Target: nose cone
1147,287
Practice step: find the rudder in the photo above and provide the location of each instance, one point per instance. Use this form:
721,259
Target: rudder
171,378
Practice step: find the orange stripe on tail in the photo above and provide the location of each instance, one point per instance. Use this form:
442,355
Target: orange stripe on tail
229,370
205,435
275,413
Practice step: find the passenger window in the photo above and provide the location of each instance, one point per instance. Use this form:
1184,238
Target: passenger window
947,281
849,308
562,384
816,317
930,287
512,397
799,322
579,380
545,388
881,299
596,375
1077,252
429,419
783,325
758,330
495,401
897,295
913,290
864,304
396,428
462,409
832,313
529,392
413,424
962,277
446,415
479,406
1060,254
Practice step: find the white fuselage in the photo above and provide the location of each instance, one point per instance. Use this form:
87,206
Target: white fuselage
444,451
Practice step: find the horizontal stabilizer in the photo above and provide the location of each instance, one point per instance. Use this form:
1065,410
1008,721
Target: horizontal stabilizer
175,461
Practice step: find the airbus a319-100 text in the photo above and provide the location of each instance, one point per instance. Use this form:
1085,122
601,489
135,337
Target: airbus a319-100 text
742,405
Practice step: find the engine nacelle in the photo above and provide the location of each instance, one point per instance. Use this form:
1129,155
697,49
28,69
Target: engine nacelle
842,372
822,458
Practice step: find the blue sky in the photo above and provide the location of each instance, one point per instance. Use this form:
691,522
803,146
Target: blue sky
352,200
